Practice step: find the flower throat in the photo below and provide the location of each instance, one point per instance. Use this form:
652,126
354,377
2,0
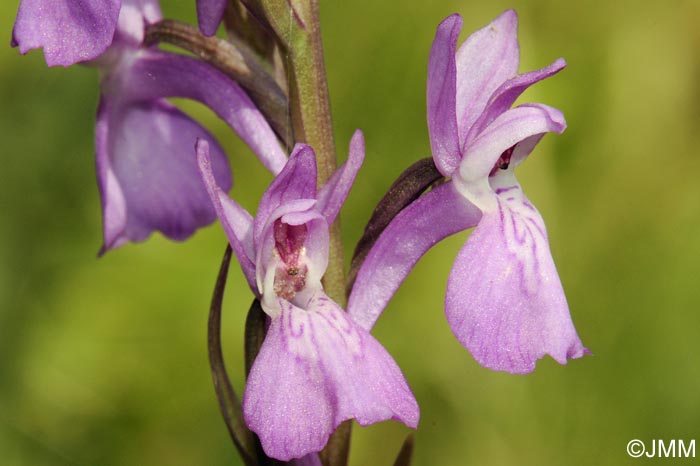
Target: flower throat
290,275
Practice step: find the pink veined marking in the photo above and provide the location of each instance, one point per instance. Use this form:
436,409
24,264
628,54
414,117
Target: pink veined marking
505,190
290,324
523,230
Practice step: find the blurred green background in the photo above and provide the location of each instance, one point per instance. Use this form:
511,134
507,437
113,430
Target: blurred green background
103,362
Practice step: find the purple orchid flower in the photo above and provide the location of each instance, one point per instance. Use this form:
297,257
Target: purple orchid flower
316,367
504,300
146,172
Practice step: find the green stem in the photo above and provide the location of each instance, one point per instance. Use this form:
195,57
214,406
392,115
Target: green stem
311,104
312,123
311,120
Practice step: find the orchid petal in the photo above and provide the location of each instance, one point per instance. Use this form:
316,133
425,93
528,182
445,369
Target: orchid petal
311,459
146,153
237,222
316,369
440,213
114,209
508,92
70,31
134,16
332,195
523,149
442,91
296,181
508,129
209,14
155,74
485,60
504,300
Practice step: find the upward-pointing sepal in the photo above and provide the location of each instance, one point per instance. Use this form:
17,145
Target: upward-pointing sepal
332,195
